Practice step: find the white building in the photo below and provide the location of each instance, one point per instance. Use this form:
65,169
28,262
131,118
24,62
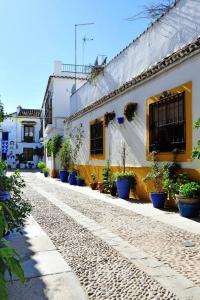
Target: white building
166,57
56,103
20,137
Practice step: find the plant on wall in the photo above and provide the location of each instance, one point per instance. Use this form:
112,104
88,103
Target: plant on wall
108,117
129,110
95,71
76,138
196,150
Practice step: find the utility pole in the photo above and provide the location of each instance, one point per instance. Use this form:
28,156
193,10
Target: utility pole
75,46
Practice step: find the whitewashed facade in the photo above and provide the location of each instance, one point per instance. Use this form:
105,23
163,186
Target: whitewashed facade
166,57
20,134
56,104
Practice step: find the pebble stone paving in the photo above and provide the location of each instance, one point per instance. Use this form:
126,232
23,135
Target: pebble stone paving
164,242
101,270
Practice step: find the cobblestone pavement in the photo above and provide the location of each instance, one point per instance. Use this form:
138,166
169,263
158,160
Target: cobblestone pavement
101,270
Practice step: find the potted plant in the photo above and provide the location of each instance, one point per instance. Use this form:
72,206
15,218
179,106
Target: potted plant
46,172
157,175
188,199
65,158
72,177
113,189
105,185
124,182
41,165
80,180
129,110
108,117
93,184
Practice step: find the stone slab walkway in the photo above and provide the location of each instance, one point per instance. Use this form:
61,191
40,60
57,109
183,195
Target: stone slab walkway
47,274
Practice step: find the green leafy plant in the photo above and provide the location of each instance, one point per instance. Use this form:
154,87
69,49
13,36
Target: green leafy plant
157,173
94,177
20,208
107,177
172,184
190,189
196,150
3,167
45,170
80,177
65,154
41,165
76,138
9,258
126,175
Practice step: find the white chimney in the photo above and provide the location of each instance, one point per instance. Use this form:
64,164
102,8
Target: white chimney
57,67
18,108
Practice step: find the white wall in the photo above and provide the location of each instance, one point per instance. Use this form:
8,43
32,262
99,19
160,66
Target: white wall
176,29
16,132
134,133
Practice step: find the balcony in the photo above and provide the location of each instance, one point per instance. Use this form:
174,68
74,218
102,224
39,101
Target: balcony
81,69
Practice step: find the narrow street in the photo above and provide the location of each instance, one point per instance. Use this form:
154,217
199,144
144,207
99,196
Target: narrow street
115,253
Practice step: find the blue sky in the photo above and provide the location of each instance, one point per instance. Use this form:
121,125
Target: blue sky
34,33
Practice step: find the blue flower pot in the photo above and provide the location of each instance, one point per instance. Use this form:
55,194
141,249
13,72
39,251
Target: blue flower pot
123,188
72,178
158,199
4,196
64,176
46,174
120,120
80,182
188,210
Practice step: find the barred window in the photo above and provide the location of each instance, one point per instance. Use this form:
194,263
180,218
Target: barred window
96,138
167,123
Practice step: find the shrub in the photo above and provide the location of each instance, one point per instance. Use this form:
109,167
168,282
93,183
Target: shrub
45,170
126,175
107,177
65,154
19,207
190,189
41,165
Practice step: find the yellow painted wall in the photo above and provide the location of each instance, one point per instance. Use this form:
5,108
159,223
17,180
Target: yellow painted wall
142,189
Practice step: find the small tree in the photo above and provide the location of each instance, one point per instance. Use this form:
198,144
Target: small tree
76,138
65,154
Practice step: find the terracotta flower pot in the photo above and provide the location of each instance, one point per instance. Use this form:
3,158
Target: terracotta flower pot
93,185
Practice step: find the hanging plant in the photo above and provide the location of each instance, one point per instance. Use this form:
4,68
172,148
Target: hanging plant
129,110
108,117
95,71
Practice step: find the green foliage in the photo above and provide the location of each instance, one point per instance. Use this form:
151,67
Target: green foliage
18,205
65,154
3,167
41,165
53,146
80,177
190,189
76,138
126,175
107,177
172,184
2,114
94,177
9,258
157,173
45,170
196,150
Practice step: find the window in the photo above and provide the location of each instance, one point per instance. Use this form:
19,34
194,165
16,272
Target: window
5,136
28,133
28,154
48,110
96,138
167,123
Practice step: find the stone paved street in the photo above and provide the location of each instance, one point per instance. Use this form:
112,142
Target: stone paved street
103,269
